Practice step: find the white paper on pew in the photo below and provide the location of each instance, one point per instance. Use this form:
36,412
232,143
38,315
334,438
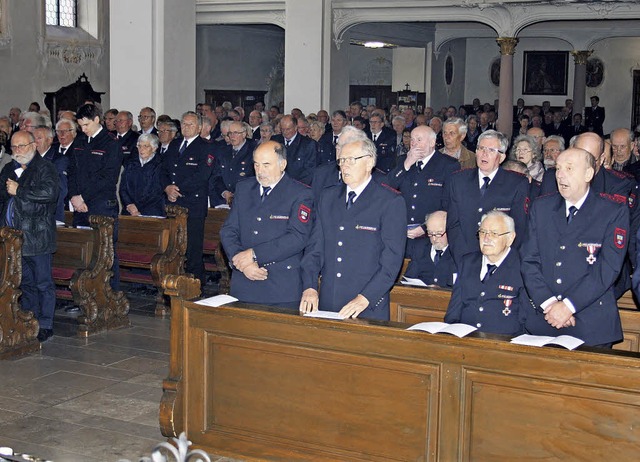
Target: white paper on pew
457,329
222,206
83,227
412,282
567,341
217,300
324,314
150,216
59,223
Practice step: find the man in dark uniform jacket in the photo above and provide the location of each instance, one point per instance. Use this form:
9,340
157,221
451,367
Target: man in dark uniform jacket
385,140
28,203
357,243
126,137
301,150
235,162
431,260
93,173
267,230
473,192
575,247
421,179
594,116
489,293
186,168
614,183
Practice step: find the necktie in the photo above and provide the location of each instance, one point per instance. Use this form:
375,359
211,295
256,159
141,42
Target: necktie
490,269
352,198
89,140
62,151
183,147
287,143
265,193
483,188
163,150
419,164
119,136
335,139
572,211
375,138
234,153
437,256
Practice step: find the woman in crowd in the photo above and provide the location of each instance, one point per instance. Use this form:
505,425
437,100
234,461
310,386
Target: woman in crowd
525,149
405,146
140,188
473,132
266,132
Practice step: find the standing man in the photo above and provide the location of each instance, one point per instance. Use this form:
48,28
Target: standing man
301,150
51,152
454,130
489,293
267,231
186,168
594,116
357,243
93,173
28,194
473,192
147,119
236,161
385,140
255,119
127,138
421,179
575,248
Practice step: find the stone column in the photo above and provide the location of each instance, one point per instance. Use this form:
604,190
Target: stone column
580,79
304,55
505,106
153,55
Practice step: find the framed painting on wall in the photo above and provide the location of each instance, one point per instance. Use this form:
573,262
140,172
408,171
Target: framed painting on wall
545,72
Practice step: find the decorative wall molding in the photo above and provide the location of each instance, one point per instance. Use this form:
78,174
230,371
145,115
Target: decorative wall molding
241,12
72,56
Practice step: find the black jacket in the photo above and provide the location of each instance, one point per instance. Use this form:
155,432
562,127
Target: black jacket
34,205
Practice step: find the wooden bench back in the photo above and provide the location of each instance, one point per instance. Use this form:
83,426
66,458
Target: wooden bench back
143,234
75,248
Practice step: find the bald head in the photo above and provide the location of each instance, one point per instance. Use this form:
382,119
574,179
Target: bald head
593,144
574,171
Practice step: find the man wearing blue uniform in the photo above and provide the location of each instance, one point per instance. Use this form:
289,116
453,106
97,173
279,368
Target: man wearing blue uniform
93,173
186,168
385,140
432,261
421,179
470,193
235,161
489,293
573,252
301,150
267,230
357,243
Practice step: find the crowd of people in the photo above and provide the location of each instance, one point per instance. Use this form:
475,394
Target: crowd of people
534,233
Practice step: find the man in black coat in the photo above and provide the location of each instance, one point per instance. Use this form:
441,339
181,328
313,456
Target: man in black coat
126,137
28,196
301,150
385,140
594,116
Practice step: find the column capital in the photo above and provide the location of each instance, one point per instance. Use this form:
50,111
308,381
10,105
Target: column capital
581,56
507,45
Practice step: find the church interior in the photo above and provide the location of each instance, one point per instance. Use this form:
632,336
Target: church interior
98,398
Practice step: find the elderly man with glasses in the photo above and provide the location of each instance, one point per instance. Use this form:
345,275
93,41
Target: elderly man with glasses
471,193
358,240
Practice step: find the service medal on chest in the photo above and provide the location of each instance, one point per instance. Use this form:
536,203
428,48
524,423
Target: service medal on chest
507,303
591,248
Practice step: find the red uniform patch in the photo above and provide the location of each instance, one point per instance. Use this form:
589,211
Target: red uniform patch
527,202
619,237
304,213
210,160
632,200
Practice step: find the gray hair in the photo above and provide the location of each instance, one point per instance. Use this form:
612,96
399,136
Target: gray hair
269,126
367,146
533,145
349,134
557,139
399,118
35,118
149,138
170,124
506,219
458,122
320,126
193,114
68,122
47,131
495,135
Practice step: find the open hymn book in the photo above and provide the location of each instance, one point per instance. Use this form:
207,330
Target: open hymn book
458,329
567,341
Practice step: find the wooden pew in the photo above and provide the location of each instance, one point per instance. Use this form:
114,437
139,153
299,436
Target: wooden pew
213,247
268,384
18,328
158,245
82,271
421,304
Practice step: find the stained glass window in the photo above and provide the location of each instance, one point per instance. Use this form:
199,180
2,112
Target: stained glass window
61,12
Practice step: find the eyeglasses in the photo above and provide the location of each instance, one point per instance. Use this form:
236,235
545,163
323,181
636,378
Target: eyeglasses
492,234
436,235
551,150
62,132
19,147
350,160
164,131
523,151
235,133
619,147
488,150
145,117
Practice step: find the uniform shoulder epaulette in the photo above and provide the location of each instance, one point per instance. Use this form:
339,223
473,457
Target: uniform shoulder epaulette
618,198
619,174
301,183
389,188
463,170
